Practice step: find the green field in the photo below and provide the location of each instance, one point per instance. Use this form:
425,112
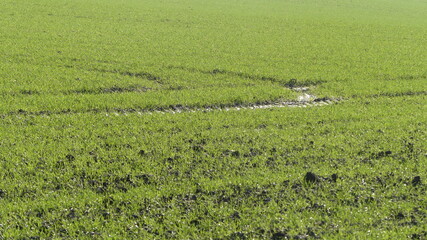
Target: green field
131,119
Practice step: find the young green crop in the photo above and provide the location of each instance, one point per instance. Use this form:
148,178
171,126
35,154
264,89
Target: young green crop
73,48
218,174
88,151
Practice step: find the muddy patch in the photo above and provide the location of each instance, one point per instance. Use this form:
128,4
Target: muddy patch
305,97
183,109
177,109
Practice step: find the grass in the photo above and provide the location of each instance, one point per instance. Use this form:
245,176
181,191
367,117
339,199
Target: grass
78,161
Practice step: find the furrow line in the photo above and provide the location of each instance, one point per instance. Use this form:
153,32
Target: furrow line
178,110
305,100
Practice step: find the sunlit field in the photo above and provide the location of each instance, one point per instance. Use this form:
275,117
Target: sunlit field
192,119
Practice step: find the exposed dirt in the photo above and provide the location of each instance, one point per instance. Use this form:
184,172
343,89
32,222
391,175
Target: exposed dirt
304,100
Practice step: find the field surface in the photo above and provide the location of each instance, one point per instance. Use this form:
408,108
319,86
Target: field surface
226,119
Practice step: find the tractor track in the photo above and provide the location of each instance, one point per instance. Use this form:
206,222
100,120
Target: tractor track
304,100
177,110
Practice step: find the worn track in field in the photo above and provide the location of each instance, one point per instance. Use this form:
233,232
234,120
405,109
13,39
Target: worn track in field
304,100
